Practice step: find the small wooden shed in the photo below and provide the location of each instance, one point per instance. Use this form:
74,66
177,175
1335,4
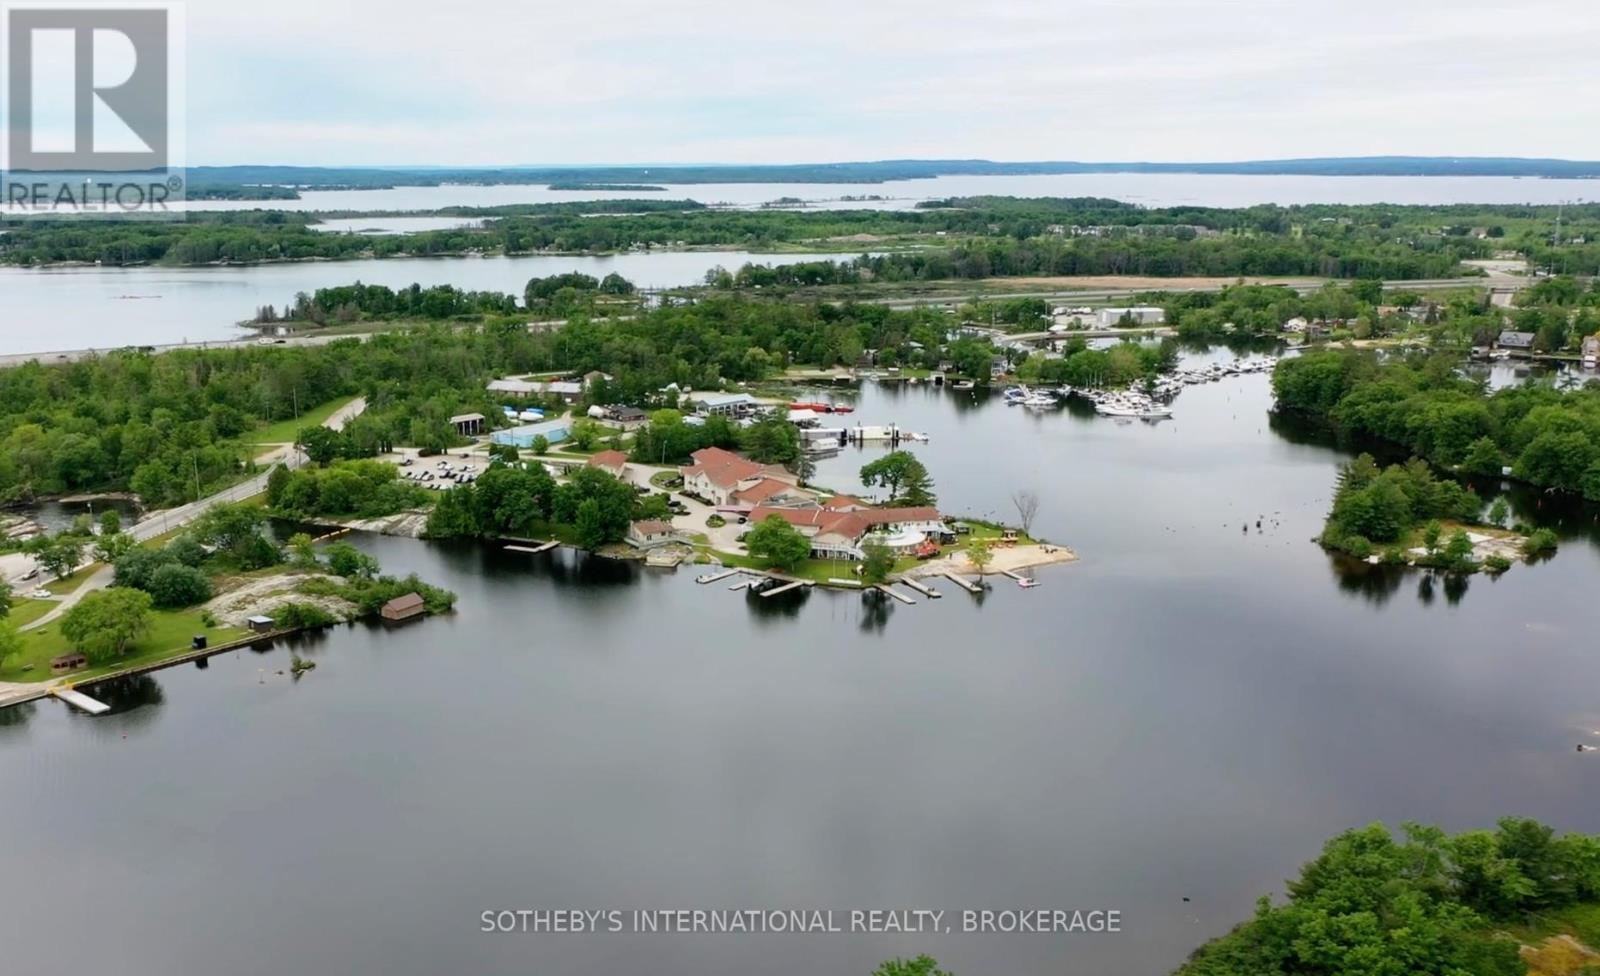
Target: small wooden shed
261,625
403,608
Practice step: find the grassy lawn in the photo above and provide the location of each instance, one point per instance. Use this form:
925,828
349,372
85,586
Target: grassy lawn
285,431
27,611
169,634
67,584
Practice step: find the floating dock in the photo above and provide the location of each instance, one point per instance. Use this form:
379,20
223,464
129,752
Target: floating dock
1013,574
922,588
79,700
545,547
964,583
716,577
886,588
743,584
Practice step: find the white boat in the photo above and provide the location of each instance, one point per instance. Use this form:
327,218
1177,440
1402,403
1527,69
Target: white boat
1039,400
963,385
1027,584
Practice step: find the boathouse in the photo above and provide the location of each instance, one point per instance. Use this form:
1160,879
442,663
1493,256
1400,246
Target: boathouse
403,608
261,624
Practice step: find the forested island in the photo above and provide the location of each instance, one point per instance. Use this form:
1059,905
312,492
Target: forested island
969,238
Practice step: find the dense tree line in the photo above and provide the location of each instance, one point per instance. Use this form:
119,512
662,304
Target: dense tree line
524,502
1547,437
1426,904
169,426
365,489
1389,242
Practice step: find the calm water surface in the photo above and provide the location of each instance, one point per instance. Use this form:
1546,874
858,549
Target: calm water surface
89,308
1188,711
1149,189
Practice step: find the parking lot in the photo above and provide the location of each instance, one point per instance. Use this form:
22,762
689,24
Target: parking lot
440,472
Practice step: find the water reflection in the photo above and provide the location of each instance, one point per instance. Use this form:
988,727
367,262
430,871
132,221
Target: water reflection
134,698
767,610
876,609
14,720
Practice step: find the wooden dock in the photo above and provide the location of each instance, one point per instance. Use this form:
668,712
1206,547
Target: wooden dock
743,584
785,588
79,700
921,587
964,583
717,577
546,547
886,588
1013,574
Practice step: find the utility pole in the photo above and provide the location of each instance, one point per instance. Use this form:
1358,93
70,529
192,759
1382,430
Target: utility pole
194,459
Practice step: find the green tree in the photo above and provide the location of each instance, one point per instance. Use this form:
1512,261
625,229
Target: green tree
1499,512
348,561
1458,550
590,524
110,522
540,445
109,546
302,552
321,444
5,599
584,434
771,440
177,585
59,554
779,543
878,564
907,480
1430,535
979,553
237,530
104,623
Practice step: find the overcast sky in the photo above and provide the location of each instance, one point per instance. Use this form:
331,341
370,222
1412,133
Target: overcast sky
496,82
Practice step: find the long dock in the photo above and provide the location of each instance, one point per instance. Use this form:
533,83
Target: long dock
1013,574
546,547
886,588
79,700
921,587
964,583
716,577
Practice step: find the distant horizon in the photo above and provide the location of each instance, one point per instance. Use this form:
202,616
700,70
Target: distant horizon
1436,158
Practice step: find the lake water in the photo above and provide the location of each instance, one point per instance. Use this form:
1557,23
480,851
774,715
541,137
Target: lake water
1148,189
1187,712
80,308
